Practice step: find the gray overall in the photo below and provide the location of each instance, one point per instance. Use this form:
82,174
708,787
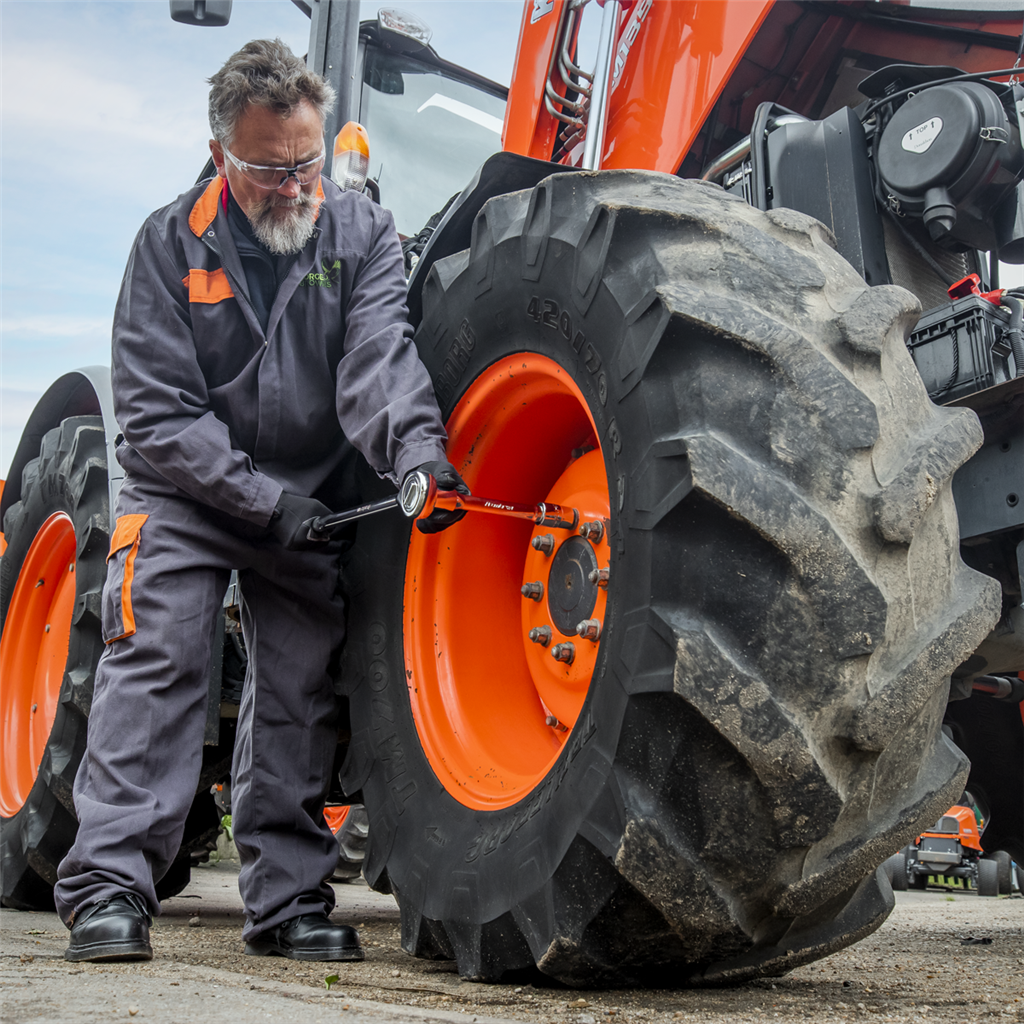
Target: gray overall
219,416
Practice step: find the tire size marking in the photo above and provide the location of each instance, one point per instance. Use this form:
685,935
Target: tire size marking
490,839
547,313
455,363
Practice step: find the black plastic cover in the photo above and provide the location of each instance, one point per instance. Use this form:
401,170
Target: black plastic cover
821,168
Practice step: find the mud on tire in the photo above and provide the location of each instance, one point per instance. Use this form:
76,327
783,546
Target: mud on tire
786,599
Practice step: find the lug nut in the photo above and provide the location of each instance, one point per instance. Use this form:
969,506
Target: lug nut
563,652
592,531
555,724
599,577
545,543
540,635
590,629
534,591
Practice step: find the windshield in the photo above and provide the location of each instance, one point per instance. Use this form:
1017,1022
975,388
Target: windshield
428,133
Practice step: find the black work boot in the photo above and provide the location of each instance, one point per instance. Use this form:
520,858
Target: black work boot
114,929
307,937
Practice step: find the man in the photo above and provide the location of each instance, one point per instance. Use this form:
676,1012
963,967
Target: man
260,334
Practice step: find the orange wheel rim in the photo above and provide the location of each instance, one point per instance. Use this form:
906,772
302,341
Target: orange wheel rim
33,656
493,708
335,817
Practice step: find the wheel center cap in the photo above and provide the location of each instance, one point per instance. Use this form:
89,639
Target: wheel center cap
571,595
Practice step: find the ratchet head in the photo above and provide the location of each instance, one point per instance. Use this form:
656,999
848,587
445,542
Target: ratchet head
417,496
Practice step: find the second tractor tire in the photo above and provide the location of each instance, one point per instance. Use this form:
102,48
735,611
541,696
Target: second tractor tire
756,722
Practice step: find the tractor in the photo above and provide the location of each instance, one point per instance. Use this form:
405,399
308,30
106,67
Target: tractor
730,291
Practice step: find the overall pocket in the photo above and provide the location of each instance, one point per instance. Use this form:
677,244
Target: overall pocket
118,617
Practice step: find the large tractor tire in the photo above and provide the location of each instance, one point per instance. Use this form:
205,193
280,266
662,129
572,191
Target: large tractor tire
51,580
51,584
351,827
701,788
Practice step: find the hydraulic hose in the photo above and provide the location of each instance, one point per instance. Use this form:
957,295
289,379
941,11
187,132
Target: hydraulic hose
1014,334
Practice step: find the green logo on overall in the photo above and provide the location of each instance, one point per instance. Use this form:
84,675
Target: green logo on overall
328,278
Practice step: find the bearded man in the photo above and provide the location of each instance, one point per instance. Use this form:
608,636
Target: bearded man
260,346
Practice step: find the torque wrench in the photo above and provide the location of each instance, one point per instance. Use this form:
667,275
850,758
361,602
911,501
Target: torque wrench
419,497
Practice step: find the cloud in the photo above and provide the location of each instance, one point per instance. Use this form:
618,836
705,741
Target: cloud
54,325
57,98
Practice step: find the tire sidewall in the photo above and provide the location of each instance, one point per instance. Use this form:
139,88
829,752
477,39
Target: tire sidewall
434,845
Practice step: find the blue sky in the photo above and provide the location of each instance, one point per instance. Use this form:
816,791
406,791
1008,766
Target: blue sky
103,112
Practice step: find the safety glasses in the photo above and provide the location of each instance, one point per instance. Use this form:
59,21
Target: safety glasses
274,177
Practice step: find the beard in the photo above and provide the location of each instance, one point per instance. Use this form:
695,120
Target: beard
288,233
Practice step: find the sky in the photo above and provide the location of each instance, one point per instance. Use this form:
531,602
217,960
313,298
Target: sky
103,120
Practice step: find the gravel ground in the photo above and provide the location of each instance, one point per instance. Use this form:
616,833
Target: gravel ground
916,968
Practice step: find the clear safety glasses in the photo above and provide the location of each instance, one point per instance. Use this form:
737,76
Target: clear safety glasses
275,177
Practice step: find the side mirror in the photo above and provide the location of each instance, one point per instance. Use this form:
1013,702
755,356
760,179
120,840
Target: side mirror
209,13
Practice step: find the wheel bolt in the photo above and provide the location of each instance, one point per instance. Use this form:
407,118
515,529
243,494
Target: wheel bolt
545,543
592,531
555,724
35,707
540,635
534,591
590,629
563,652
599,577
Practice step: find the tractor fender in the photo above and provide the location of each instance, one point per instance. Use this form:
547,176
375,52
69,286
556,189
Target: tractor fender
498,174
82,392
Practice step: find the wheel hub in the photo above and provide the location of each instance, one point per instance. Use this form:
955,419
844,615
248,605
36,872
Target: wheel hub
571,595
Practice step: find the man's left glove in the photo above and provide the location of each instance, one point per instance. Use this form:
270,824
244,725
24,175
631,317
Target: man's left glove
448,479
289,522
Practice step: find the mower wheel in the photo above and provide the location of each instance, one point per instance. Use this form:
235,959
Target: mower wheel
988,877
895,868
673,745
1004,871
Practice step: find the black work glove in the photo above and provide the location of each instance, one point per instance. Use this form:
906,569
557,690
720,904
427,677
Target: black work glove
448,479
290,522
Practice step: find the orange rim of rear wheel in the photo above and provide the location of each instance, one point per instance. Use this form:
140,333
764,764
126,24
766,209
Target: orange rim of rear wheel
493,708
33,656
336,817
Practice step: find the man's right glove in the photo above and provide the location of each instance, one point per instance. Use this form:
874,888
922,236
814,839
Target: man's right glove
290,520
448,479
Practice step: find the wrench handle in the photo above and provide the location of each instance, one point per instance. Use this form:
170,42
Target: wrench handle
543,514
320,527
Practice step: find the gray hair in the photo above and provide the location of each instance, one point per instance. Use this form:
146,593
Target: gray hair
265,73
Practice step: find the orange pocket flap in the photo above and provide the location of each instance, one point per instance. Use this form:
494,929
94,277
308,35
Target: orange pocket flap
126,531
209,286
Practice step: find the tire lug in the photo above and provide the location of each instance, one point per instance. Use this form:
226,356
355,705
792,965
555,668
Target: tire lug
599,577
590,629
534,591
540,635
564,652
592,531
544,543
555,724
